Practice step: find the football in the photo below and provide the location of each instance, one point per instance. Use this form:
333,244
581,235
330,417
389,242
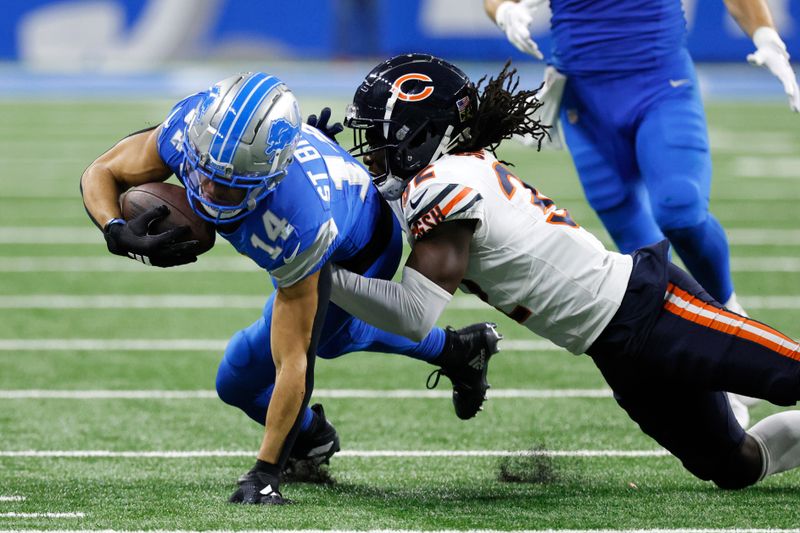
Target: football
139,199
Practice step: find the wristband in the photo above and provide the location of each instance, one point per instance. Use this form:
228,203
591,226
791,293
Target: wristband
267,468
111,222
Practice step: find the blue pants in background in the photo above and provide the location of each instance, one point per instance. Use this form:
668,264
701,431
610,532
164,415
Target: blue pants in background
640,146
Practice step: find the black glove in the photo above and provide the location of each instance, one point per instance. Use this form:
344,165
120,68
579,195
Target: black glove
260,486
132,239
321,124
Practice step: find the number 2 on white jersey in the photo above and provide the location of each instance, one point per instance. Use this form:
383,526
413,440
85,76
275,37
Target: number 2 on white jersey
509,184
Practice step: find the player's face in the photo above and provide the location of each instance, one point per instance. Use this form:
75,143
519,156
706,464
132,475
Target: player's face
376,162
221,194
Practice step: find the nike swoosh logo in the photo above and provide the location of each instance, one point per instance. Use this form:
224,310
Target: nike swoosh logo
266,491
419,199
677,83
289,258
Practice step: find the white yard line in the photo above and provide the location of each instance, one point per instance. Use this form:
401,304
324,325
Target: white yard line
166,345
196,454
50,235
227,301
787,167
765,142
111,263
12,498
189,345
681,530
763,237
25,394
42,515
765,264
34,264
126,301
90,235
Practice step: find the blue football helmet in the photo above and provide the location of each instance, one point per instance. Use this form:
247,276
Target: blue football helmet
238,145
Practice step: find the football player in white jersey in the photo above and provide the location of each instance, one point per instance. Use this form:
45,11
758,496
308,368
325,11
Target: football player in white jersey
428,135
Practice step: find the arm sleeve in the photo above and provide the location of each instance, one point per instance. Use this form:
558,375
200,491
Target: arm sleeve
409,308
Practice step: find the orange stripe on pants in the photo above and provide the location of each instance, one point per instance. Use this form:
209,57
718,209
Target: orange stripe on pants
759,336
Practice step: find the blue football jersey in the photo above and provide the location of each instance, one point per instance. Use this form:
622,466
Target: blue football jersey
614,35
321,211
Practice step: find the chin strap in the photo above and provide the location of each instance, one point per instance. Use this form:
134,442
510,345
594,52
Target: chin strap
387,115
444,146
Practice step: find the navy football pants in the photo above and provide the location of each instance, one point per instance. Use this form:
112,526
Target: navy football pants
688,350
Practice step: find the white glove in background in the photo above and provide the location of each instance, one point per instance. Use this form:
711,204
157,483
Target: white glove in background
771,53
515,19
550,96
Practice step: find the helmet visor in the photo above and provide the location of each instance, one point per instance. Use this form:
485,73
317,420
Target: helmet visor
214,191
216,199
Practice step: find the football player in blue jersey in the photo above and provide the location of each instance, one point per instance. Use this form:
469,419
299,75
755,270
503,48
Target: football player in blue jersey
633,120
285,195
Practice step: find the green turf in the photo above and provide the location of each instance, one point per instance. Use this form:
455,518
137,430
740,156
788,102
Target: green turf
40,191
393,493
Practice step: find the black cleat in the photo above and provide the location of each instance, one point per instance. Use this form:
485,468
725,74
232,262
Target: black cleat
318,445
465,360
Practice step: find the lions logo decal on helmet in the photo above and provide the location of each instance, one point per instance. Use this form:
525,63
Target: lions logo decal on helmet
210,100
281,136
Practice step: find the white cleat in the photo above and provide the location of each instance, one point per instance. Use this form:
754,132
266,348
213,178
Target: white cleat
740,409
733,305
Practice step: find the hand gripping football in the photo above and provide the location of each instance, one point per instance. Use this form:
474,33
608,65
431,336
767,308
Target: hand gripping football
139,199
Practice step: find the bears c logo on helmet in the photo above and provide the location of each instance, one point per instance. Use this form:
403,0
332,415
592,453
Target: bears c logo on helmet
406,97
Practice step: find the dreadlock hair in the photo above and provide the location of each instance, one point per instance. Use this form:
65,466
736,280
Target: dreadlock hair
504,111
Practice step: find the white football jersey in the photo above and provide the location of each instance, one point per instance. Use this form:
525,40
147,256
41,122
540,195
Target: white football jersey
528,258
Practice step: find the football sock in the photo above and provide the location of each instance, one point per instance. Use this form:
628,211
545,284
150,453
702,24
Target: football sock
309,420
372,339
779,439
704,250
